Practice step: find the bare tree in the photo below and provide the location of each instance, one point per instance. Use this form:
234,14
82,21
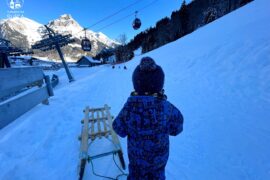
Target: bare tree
122,38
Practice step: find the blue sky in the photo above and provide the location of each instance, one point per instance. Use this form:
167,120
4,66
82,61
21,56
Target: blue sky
88,12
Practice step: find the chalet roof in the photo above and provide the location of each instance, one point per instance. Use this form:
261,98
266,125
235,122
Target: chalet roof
90,59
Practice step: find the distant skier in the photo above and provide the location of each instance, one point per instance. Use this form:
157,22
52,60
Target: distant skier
4,62
147,119
31,62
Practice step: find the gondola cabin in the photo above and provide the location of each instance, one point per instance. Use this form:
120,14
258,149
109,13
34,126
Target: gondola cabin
137,24
86,44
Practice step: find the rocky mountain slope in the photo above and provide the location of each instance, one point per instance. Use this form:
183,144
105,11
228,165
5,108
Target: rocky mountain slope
24,32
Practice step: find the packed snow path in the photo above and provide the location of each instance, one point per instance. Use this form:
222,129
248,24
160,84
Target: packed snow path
219,78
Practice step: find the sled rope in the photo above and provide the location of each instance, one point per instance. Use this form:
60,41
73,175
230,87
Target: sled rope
107,177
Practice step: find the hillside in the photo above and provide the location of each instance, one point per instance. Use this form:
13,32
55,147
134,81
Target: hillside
219,78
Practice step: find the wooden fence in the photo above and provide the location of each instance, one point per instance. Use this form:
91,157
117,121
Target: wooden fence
21,89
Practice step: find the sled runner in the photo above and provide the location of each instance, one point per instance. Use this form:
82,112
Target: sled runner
97,124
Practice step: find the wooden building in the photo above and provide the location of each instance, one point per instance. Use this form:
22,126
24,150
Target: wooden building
87,61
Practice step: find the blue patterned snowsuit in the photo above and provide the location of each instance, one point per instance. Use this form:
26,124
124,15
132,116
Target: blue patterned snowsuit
148,121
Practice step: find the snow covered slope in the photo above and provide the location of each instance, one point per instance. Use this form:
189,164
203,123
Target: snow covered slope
218,76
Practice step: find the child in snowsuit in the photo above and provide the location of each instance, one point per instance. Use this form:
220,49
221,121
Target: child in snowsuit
147,119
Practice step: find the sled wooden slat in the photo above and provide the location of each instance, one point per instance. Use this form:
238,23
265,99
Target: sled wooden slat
104,122
99,134
99,128
84,137
84,144
96,119
98,109
114,136
92,123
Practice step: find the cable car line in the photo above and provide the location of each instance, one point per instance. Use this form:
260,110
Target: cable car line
121,19
109,16
86,43
117,12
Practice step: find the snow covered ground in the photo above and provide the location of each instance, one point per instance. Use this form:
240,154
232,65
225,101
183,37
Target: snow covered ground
219,78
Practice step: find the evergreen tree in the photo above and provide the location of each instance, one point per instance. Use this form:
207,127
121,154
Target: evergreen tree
184,18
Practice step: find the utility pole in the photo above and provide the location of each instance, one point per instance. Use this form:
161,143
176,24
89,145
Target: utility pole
55,41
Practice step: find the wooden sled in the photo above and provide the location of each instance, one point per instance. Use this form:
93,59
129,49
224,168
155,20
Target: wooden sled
97,123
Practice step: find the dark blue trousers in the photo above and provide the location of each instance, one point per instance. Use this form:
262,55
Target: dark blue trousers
137,173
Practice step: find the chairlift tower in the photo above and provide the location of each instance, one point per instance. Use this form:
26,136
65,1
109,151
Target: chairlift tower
55,41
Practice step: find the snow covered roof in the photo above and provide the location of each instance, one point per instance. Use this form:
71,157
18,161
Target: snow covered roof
90,59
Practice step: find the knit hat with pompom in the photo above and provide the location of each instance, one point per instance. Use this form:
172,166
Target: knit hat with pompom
148,77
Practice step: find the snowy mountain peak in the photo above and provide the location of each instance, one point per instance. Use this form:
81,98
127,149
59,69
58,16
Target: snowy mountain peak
24,32
66,17
21,21
24,27
65,24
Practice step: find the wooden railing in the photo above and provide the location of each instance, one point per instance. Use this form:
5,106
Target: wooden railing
20,90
